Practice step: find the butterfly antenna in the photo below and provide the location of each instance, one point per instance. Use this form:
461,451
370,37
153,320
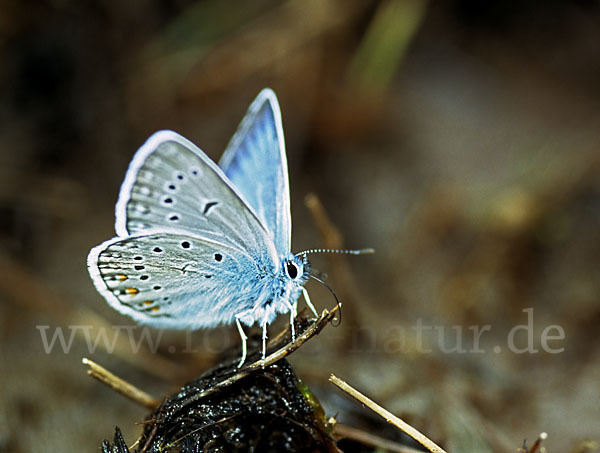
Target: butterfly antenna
345,252
339,304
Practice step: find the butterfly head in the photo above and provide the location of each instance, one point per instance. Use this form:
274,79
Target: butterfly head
295,269
286,288
293,274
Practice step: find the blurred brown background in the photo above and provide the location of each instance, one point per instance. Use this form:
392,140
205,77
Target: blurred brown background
460,139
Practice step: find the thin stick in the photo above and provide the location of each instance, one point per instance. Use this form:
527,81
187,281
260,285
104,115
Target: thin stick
313,329
538,443
389,417
120,385
365,438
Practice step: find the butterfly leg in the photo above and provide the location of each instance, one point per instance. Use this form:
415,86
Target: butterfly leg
293,312
264,343
244,338
308,302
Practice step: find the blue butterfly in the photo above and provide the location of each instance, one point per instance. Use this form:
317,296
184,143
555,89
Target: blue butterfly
200,245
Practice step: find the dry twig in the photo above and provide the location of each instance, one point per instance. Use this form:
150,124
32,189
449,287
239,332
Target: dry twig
389,417
120,385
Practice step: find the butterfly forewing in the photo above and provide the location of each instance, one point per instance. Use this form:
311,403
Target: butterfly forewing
256,163
171,279
171,184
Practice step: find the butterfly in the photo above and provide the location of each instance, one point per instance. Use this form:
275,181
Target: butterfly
199,244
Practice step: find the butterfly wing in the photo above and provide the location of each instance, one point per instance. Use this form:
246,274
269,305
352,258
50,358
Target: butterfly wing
256,163
172,184
170,279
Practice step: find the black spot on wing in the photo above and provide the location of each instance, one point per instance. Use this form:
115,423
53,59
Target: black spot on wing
209,205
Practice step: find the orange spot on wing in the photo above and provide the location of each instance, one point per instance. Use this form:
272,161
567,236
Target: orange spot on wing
132,291
122,277
148,302
155,309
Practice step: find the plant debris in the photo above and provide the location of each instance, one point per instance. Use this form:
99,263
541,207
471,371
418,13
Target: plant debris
269,409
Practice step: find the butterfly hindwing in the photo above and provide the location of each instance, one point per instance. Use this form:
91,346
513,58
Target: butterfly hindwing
171,279
256,163
171,184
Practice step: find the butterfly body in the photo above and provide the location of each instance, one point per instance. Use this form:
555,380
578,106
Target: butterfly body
200,244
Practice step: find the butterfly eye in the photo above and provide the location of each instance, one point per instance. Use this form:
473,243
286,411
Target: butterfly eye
291,269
